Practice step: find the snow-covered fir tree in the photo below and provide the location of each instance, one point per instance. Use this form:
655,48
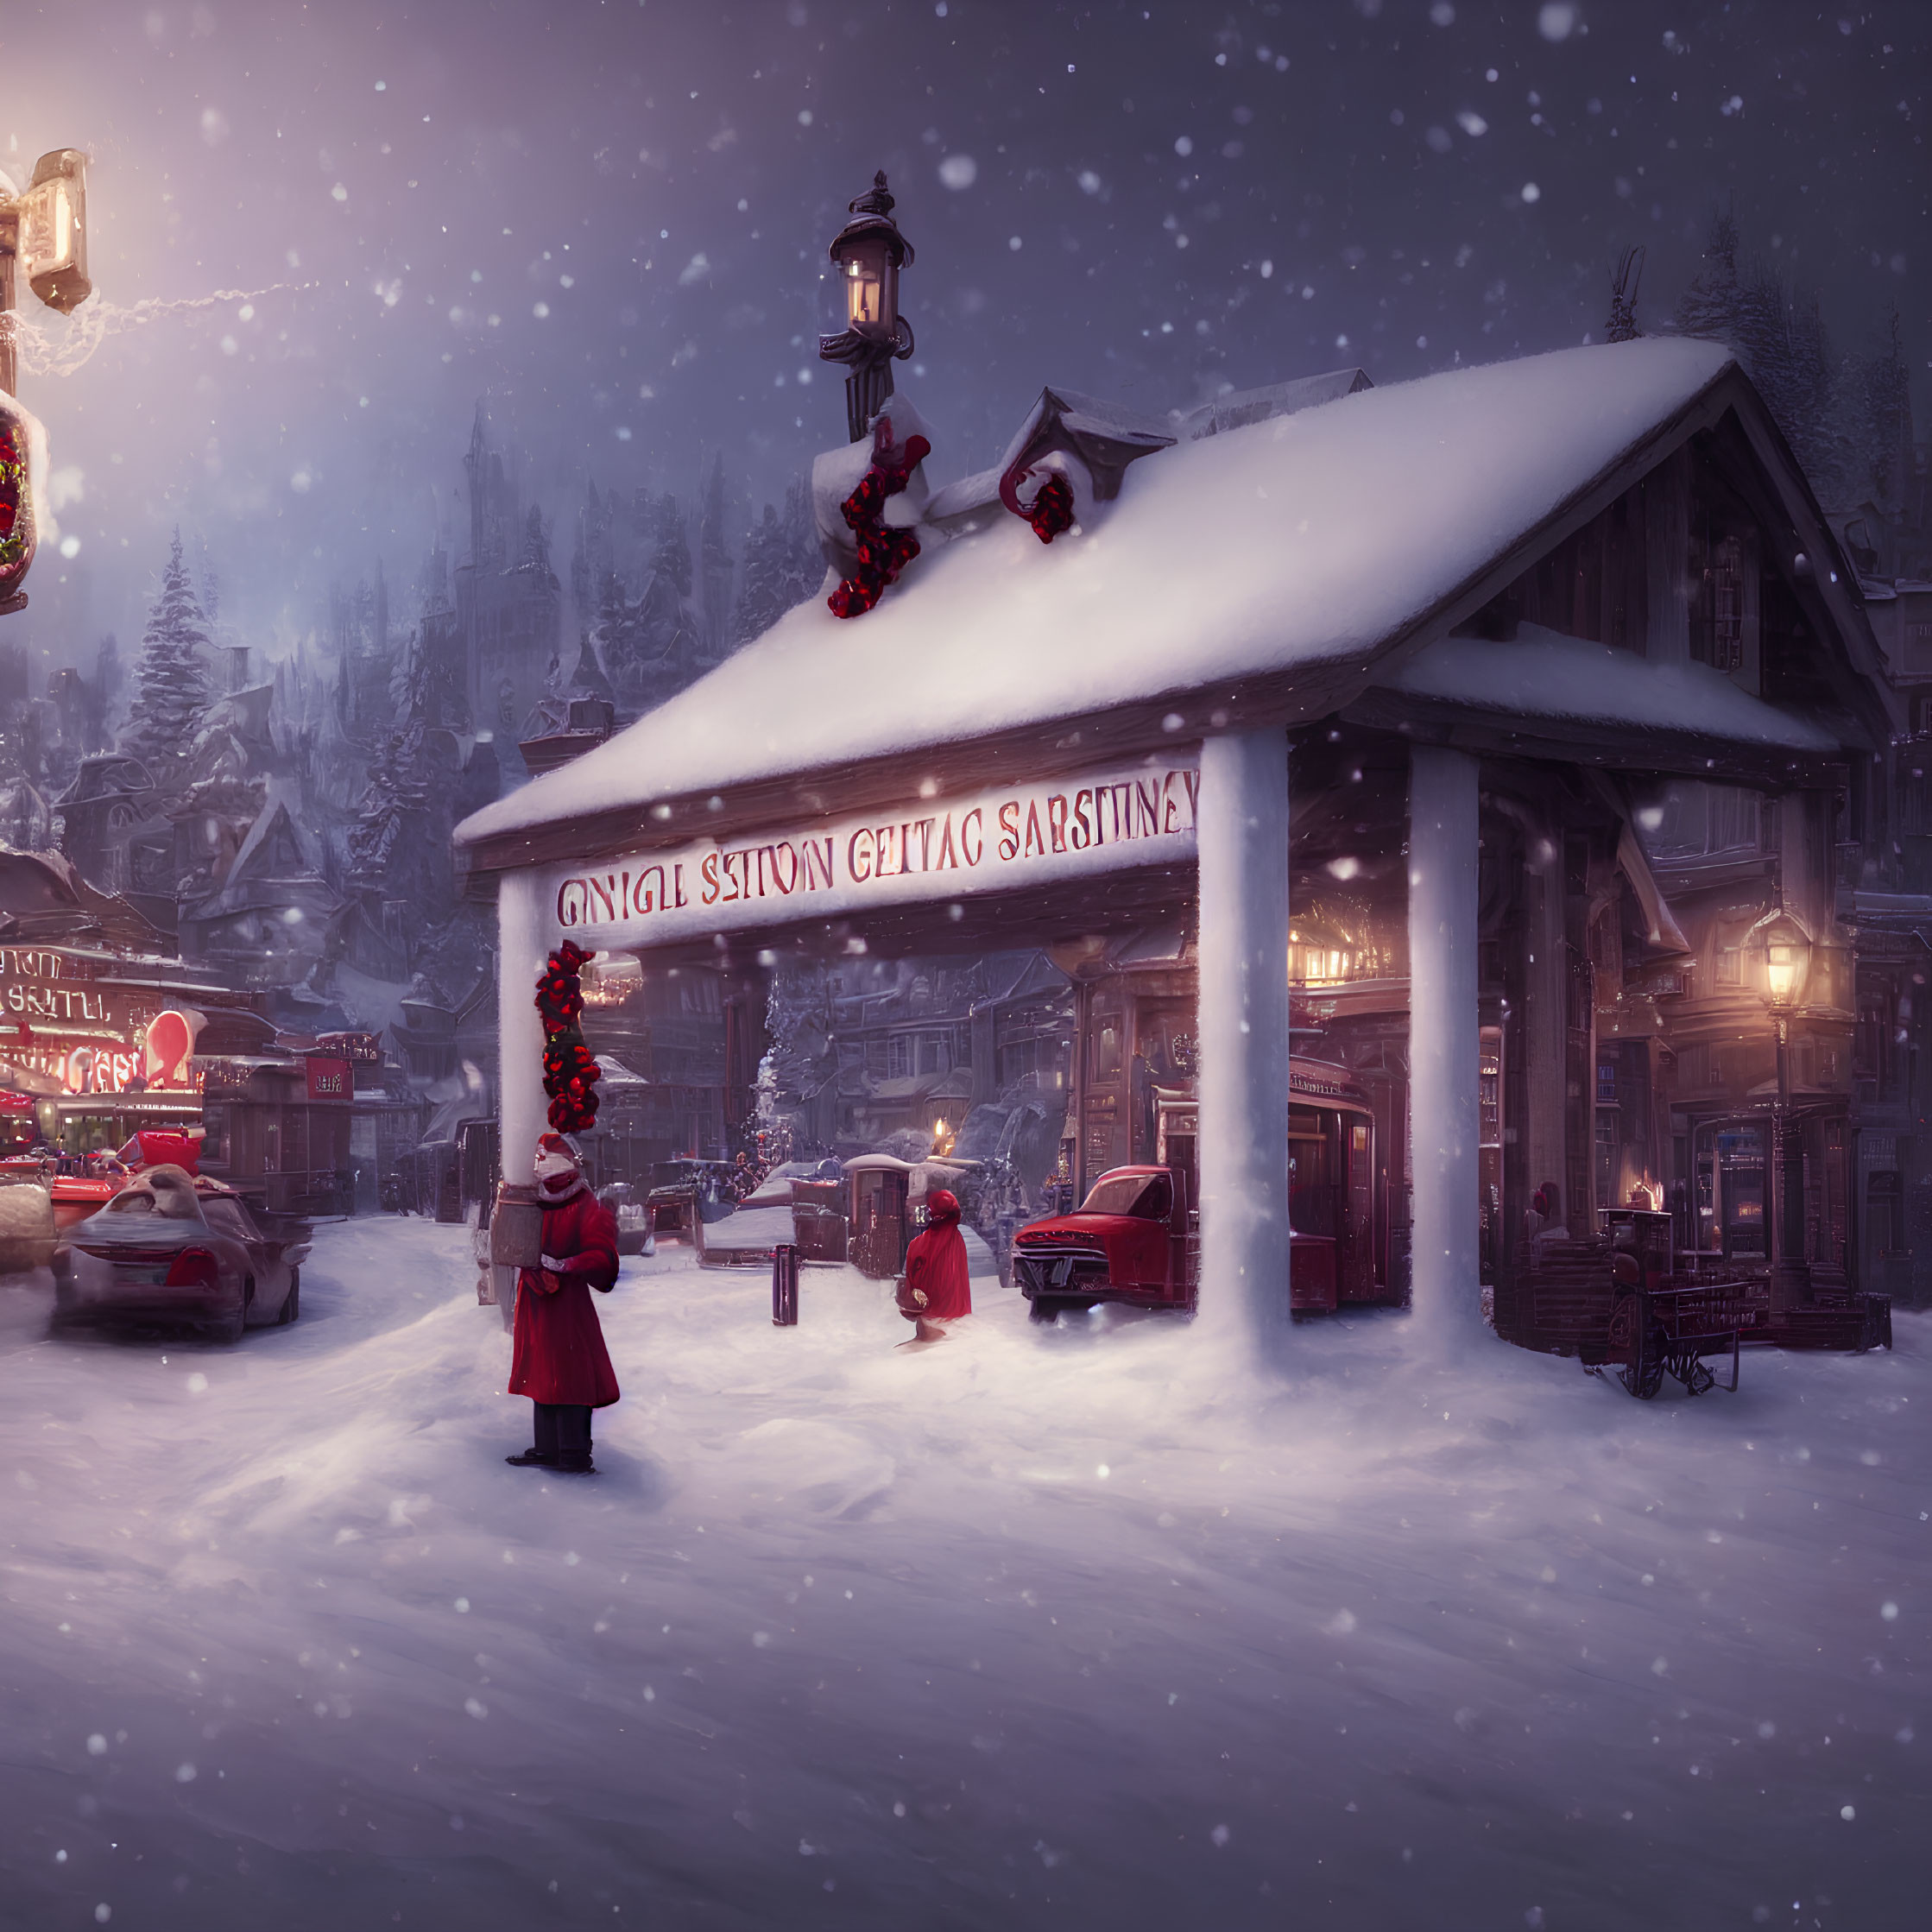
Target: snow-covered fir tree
1877,456
714,550
662,524
172,688
782,567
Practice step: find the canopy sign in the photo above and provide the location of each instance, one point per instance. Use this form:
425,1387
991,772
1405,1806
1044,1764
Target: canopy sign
987,841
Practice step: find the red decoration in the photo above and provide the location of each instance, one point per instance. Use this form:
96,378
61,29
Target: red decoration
883,551
570,1070
16,506
1051,511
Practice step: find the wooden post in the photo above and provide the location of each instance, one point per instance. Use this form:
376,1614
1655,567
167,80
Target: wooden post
1244,1031
521,945
1444,1041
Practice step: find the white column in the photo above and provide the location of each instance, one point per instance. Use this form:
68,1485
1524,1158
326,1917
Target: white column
521,946
1443,1041
1243,1030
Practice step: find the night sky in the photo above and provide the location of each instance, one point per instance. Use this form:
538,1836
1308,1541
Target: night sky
610,221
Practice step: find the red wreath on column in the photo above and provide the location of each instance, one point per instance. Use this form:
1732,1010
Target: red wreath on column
883,551
569,1073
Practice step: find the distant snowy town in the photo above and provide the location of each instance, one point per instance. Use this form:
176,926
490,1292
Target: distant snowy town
1173,1169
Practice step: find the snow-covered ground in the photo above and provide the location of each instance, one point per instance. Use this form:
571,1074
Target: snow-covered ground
1086,1627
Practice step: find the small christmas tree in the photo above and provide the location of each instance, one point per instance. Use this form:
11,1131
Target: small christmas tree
171,692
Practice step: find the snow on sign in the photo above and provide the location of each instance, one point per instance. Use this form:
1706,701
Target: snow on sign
987,841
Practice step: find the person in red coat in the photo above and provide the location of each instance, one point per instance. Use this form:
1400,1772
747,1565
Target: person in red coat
937,1279
559,1359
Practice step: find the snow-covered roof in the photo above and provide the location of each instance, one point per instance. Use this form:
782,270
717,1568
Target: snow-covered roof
1542,673
241,889
1310,539
1243,406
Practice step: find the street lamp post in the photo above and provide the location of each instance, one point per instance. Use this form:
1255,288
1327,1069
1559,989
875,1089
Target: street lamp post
1786,947
869,253
45,231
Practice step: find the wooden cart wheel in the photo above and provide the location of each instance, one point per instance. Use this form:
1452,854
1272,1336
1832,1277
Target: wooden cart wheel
1640,1343
1623,1329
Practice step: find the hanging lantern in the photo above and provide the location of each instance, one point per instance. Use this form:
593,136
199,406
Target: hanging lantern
52,246
44,232
1784,947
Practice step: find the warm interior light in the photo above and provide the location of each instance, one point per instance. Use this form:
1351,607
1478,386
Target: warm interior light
862,293
1781,967
54,230
1787,950
871,293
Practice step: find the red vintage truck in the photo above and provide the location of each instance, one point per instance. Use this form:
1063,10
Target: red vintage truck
1135,1238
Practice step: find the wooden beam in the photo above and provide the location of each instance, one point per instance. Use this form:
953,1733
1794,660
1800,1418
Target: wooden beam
1590,741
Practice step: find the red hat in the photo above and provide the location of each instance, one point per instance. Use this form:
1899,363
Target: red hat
559,1173
942,1207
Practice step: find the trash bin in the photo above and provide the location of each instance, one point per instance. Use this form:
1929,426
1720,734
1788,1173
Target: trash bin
784,1286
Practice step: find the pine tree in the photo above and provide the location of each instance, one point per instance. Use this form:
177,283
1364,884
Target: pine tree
1876,423
805,561
172,689
714,551
670,549
782,567
1778,332
760,592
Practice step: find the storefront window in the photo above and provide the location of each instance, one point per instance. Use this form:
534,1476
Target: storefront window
1106,1050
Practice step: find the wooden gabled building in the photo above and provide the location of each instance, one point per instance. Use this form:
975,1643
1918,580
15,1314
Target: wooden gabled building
1468,728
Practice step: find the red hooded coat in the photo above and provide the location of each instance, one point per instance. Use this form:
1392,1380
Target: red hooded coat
559,1354
936,1260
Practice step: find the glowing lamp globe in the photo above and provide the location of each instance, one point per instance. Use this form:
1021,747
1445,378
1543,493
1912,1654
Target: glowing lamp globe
1786,950
53,244
869,253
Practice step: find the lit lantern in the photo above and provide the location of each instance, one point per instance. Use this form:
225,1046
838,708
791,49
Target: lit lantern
52,246
1786,947
869,253
45,230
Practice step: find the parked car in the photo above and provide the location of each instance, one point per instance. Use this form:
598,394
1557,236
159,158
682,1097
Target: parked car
1131,1240
689,1190
169,1247
632,1217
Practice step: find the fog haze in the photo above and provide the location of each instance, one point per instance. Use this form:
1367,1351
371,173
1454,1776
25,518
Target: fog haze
609,222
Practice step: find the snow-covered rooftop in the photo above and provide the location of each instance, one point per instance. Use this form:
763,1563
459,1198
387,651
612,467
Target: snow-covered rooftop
1542,673
1310,539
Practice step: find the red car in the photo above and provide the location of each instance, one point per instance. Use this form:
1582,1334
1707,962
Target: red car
1129,1241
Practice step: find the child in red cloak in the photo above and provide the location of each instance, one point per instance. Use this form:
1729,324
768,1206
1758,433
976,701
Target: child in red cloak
557,1357
936,1272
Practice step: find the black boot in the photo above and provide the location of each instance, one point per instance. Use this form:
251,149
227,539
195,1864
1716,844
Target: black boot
544,1453
573,1441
